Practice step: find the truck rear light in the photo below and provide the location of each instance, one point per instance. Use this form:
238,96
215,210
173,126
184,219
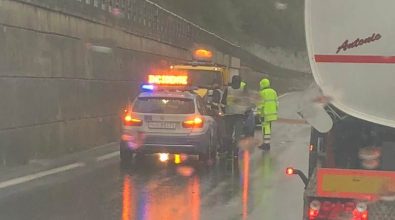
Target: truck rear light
314,210
129,120
361,211
320,210
313,214
361,207
315,205
193,122
360,215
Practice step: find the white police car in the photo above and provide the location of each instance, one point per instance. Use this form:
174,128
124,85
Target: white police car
168,122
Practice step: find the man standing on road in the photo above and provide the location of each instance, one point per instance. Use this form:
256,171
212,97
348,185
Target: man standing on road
217,101
237,104
268,106
217,105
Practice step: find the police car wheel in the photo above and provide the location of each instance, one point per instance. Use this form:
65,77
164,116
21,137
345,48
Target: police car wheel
214,146
205,157
126,157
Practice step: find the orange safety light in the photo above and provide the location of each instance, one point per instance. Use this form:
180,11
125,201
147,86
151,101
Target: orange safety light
202,54
290,171
168,79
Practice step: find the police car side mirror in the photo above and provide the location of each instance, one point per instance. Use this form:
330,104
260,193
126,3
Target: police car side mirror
236,81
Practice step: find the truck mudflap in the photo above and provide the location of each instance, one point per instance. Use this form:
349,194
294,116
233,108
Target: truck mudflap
339,193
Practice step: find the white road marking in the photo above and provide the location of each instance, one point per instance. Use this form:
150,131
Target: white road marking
38,175
108,156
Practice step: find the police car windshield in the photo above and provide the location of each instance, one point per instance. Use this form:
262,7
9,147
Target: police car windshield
204,78
165,105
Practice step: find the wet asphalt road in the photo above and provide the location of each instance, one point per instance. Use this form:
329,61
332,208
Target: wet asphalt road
252,187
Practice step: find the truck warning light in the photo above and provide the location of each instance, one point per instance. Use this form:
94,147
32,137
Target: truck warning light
202,54
168,79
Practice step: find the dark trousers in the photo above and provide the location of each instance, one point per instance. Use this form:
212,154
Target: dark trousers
221,129
234,129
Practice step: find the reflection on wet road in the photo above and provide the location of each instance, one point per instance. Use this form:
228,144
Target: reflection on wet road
184,191
159,200
245,185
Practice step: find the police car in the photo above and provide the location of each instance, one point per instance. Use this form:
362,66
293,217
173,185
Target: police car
169,123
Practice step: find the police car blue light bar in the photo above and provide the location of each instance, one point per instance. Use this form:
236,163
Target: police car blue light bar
147,87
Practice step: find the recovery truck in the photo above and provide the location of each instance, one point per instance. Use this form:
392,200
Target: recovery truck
351,109
203,73
207,75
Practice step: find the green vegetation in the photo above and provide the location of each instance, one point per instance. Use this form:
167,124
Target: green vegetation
271,23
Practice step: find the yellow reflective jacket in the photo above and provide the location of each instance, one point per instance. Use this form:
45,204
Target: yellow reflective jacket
269,103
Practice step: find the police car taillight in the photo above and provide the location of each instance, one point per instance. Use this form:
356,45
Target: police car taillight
130,120
193,122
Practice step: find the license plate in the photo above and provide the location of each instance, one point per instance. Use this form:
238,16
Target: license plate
162,125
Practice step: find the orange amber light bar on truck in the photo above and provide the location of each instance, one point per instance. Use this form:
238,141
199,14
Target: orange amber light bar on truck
168,80
202,54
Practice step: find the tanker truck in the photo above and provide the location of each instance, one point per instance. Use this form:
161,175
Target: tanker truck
351,109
